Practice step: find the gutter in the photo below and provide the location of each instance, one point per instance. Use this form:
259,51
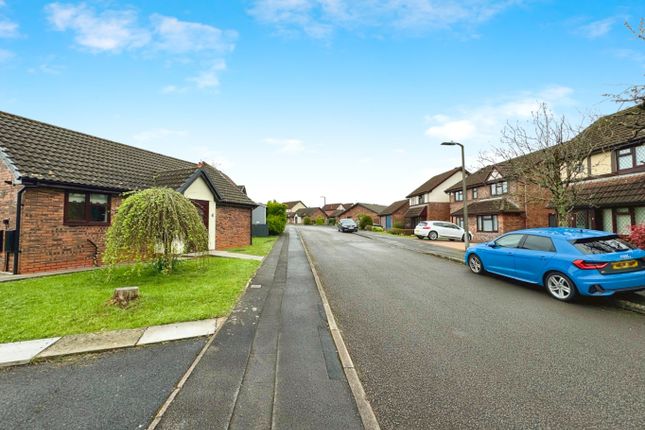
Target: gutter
16,242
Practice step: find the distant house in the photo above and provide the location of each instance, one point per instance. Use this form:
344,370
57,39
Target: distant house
394,214
59,190
292,207
331,208
429,201
312,213
357,209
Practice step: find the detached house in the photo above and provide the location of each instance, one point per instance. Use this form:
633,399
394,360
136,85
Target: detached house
611,191
428,201
292,207
332,209
60,189
357,209
394,214
312,213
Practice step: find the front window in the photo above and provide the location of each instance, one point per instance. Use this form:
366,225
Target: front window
474,193
459,196
459,220
499,188
422,198
630,158
487,223
86,208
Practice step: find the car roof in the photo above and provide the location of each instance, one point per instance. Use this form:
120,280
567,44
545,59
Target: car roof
568,233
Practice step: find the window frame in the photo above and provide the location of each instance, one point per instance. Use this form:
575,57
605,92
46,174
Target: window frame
474,193
459,193
494,219
494,188
456,219
632,154
88,210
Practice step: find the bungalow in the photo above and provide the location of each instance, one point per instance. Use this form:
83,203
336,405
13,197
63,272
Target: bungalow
60,189
428,201
292,207
357,209
331,208
311,213
394,214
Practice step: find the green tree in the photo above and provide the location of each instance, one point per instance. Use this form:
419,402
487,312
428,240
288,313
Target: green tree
276,217
307,221
364,221
155,226
320,221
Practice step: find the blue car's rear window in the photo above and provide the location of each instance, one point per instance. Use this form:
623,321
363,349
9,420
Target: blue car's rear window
602,245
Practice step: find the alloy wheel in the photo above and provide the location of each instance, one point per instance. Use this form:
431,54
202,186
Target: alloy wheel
475,264
559,286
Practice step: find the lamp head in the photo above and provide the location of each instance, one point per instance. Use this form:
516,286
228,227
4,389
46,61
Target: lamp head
448,143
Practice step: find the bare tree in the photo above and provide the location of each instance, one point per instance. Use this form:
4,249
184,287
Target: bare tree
545,158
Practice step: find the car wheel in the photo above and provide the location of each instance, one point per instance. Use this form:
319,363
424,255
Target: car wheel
560,287
433,235
475,264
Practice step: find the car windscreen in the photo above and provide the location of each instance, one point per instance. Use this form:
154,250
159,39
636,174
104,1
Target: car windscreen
602,245
347,222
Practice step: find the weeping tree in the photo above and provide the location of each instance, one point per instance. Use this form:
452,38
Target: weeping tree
155,226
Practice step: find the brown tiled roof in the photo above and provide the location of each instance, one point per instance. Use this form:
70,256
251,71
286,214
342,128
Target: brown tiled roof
331,206
290,205
615,129
39,152
434,182
415,211
394,207
369,206
492,206
619,190
303,212
335,213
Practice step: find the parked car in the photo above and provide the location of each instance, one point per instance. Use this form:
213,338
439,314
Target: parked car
347,225
434,230
567,261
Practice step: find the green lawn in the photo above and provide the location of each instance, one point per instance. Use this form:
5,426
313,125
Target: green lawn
78,303
261,246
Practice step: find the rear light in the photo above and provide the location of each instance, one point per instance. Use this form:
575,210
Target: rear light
427,227
588,265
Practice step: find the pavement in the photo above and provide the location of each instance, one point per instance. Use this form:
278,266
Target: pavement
274,363
438,347
119,389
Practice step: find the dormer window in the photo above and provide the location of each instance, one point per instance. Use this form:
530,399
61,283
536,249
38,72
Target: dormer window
630,158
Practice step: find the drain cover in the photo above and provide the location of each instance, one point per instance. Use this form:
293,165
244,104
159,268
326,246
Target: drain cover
256,286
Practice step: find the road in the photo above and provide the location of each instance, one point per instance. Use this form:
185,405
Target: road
438,347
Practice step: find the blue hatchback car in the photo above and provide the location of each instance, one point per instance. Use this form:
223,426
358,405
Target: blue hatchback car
567,261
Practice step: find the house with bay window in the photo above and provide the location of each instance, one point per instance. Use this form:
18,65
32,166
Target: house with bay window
59,190
428,201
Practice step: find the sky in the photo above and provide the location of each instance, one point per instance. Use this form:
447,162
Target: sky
299,99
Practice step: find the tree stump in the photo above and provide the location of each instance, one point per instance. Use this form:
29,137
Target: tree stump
123,296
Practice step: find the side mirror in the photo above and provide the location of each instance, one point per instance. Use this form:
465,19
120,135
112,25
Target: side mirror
491,245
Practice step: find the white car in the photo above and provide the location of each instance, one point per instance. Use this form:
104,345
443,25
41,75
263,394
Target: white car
434,230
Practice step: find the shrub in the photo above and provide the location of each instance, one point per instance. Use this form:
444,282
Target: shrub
155,226
331,221
637,235
307,221
377,229
401,231
364,221
368,227
276,217
399,225
320,221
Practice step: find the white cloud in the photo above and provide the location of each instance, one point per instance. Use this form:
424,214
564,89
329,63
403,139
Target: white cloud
8,28
288,146
596,29
209,78
479,127
178,36
319,18
110,30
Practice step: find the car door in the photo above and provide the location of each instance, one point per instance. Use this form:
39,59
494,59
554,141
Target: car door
499,256
441,229
531,257
453,230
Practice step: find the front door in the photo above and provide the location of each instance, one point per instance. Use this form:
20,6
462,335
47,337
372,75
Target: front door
203,209
388,222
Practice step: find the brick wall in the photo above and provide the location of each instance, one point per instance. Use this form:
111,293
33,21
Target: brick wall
233,227
8,194
47,244
438,212
354,212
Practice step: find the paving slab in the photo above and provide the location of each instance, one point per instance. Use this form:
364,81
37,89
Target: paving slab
23,352
167,332
90,342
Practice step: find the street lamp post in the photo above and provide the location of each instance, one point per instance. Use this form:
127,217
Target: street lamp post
463,189
324,200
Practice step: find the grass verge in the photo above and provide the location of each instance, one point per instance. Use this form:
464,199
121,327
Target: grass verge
78,303
261,246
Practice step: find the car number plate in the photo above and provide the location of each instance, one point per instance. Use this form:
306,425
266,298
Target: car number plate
625,264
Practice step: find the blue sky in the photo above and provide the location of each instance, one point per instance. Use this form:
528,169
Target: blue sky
298,99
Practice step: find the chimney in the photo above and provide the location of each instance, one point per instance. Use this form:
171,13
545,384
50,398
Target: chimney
200,164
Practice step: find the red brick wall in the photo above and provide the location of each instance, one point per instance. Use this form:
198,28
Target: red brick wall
8,194
354,212
47,244
438,212
233,227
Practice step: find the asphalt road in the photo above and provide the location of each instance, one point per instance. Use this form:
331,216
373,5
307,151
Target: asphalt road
120,389
438,347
